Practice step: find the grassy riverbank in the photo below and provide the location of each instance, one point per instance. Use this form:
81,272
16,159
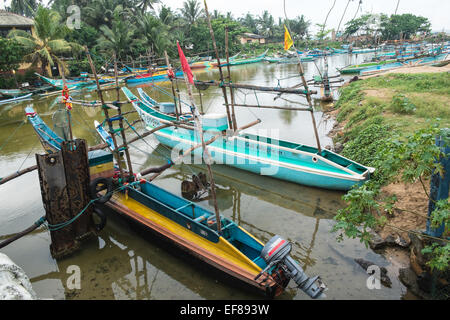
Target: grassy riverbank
390,122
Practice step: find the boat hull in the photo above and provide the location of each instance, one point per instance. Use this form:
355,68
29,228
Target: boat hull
216,253
262,155
268,167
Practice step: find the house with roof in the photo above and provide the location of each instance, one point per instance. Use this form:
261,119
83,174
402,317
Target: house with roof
12,21
251,38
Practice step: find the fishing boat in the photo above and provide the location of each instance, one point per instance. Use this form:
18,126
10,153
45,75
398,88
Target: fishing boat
258,154
237,62
200,65
288,60
11,93
15,99
104,135
148,77
71,84
411,62
226,246
49,139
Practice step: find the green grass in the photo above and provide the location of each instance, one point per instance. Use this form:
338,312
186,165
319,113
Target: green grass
406,102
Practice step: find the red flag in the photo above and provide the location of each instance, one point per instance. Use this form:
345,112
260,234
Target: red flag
185,65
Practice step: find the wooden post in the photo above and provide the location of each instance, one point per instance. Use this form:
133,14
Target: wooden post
105,110
64,180
224,90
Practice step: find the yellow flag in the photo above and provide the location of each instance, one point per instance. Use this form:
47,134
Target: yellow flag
287,39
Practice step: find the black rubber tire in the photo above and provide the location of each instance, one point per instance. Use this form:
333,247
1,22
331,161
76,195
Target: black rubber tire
93,189
103,220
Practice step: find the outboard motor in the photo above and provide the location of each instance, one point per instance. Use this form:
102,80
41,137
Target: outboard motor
276,253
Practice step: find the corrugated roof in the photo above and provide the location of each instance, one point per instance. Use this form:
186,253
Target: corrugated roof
252,36
9,19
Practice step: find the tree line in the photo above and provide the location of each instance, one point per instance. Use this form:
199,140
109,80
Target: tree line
135,28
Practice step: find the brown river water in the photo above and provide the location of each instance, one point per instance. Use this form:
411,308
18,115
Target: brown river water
123,263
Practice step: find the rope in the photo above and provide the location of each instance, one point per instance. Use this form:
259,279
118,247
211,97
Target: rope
58,226
9,138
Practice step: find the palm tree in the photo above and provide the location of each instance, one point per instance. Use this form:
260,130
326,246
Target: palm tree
47,41
24,7
119,38
154,33
191,11
266,24
146,4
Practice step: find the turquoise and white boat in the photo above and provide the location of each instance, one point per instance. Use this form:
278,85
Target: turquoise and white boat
258,154
49,139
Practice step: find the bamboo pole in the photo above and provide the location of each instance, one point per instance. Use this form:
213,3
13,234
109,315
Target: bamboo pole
272,107
206,155
67,110
224,90
17,174
305,85
233,116
173,88
119,114
213,83
111,129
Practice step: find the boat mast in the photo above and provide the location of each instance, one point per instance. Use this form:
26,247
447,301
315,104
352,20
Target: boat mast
224,90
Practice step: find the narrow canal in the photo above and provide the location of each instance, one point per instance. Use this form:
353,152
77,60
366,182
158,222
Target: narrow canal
124,264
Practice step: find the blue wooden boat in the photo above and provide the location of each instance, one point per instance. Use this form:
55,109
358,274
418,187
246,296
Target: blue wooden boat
71,84
25,96
258,154
49,140
104,135
11,93
149,77
267,268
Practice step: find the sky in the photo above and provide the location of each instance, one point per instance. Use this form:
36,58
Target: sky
437,11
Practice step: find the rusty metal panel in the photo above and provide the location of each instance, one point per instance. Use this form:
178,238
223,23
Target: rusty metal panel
56,202
64,179
77,180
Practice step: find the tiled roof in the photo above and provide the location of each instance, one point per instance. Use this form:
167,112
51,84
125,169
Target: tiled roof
9,19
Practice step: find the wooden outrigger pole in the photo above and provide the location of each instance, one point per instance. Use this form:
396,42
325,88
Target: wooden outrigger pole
207,156
108,119
169,68
305,85
233,116
120,116
224,90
